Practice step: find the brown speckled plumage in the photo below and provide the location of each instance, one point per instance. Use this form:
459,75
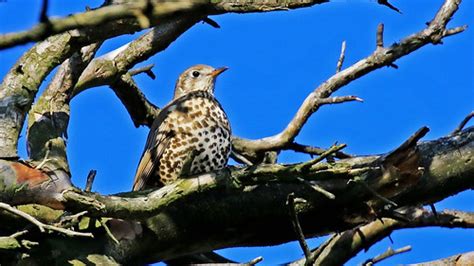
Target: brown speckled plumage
193,123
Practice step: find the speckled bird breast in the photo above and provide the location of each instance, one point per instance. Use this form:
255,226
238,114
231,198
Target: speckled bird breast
198,123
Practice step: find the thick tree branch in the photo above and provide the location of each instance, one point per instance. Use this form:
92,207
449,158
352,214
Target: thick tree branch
21,84
108,68
140,109
381,57
49,116
140,10
259,194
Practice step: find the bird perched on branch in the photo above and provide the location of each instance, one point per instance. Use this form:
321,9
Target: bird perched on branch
191,134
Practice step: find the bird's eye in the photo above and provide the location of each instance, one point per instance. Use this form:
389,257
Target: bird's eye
196,74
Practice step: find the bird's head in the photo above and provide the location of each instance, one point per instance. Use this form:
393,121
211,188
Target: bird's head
197,78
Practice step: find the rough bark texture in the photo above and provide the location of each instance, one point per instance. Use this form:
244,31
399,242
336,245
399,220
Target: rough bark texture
246,206
46,220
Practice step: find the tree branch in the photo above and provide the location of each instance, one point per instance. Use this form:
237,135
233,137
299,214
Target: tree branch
381,57
140,109
41,226
342,247
459,259
93,18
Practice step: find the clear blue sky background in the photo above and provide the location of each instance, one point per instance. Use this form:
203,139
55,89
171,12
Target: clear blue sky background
275,60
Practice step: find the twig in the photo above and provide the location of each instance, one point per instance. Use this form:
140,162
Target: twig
305,166
433,210
375,193
463,123
239,157
341,57
380,35
318,188
18,234
297,228
90,180
387,254
146,69
387,4
211,22
45,158
44,11
142,111
70,220
386,56
41,226
311,150
108,232
254,261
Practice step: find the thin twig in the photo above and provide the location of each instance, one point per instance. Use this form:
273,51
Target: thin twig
108,232
305,166
387,4
211,22
44,11
297,227
90,180
254,261
19,233
41,226
145,69
311,150
70,220
463,123
387,254
240,157
318,188
380,35
375,193
45,159
433,210
341,57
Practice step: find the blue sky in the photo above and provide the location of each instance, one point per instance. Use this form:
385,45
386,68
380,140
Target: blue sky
275,60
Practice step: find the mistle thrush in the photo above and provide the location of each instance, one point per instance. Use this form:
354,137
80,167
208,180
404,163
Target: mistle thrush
191,134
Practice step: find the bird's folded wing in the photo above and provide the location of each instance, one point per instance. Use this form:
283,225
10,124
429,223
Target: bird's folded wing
150,161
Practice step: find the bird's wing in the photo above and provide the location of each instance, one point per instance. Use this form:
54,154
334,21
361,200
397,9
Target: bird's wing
157,142
159,139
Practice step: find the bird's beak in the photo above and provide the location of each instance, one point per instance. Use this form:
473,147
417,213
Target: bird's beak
218,71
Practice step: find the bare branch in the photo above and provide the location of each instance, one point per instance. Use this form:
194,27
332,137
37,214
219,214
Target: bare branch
41,226
146,69
313,150
111,66
48,118
297,227
463,123
139,108
341,57
380,35
94,18
379,58
335,148
44,12
90,180
254,261
387,4
387,254
342,247
459,259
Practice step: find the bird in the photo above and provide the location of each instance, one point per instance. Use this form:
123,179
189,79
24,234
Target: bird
191,134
